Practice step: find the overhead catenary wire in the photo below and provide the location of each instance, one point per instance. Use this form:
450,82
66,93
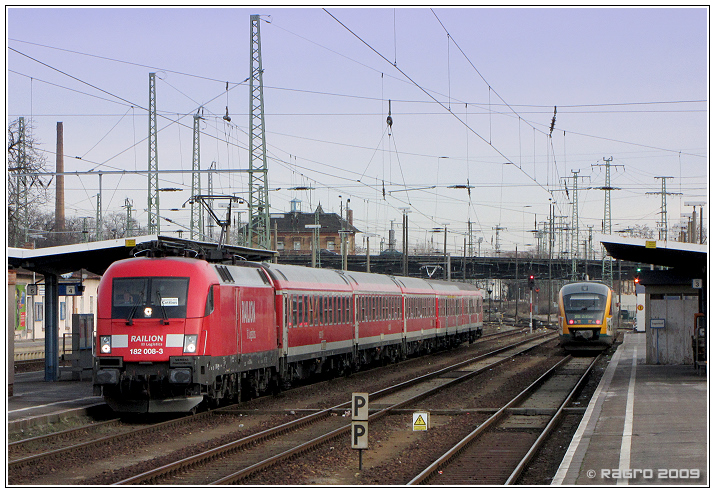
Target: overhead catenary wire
433,98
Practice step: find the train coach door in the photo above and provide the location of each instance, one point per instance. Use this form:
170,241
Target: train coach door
286,318
357,314
238,326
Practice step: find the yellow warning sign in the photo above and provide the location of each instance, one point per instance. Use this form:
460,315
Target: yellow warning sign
650,244
420,421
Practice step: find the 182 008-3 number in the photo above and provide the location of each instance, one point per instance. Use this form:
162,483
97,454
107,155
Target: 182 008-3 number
149,350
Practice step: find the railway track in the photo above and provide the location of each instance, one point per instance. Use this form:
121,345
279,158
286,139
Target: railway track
223,465
498,450
51,448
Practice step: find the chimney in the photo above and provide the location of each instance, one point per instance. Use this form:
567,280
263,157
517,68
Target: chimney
350,217
60,182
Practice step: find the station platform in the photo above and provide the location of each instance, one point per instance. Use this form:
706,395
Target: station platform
645,425
36,402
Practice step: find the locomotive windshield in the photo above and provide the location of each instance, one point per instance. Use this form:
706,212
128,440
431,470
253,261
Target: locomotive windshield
584,308
149,297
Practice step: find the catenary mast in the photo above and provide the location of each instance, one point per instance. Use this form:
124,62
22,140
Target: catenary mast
258,224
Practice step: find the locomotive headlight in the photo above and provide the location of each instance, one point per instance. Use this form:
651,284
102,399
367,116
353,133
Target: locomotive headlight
190,342
105,344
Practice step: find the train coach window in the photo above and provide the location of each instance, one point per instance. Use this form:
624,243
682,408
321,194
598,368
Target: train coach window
294,310
331,309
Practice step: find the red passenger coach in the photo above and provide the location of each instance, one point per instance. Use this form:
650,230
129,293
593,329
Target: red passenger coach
316,324
459,310
174,332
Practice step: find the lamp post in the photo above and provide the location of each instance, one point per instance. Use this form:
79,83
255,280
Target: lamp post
367,253
343,246
405,240
315,228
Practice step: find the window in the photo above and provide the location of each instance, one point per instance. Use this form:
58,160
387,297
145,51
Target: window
38,311
294,310
296,245
63,306
310,304
301,314
148,297
210,302
330,245
280,245
331,311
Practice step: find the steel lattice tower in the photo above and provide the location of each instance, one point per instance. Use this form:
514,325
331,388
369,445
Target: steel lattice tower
663,231
195,226
258,225
22,191
153,185
98,217
607,265
574,227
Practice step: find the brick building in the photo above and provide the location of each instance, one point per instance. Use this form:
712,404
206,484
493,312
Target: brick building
293,238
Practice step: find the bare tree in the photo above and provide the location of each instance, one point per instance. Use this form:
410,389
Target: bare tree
24,156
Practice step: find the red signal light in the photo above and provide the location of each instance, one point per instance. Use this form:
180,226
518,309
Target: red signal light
570,322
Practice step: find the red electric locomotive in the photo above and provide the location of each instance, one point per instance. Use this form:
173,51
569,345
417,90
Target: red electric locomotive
173,332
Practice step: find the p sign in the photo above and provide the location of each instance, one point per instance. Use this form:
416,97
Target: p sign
359,435
360,406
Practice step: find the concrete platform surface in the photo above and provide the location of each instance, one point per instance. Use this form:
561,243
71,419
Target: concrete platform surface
35,401
645,425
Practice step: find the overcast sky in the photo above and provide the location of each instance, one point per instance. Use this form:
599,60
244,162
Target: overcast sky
472,94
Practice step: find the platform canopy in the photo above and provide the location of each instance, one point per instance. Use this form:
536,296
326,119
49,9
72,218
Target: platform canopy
685,257
97,256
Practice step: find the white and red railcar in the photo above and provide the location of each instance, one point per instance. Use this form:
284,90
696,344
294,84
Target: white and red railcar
173,332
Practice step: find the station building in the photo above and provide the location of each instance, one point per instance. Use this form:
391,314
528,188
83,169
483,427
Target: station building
290,236
30,302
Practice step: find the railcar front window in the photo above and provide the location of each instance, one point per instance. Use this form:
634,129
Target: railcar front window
584,308
149,297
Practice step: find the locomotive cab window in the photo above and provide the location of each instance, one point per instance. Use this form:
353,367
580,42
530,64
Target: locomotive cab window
149,297
584,308
209,302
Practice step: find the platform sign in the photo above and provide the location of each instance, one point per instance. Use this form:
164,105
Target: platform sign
420,421
657,323
359,435
70,289
360,410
